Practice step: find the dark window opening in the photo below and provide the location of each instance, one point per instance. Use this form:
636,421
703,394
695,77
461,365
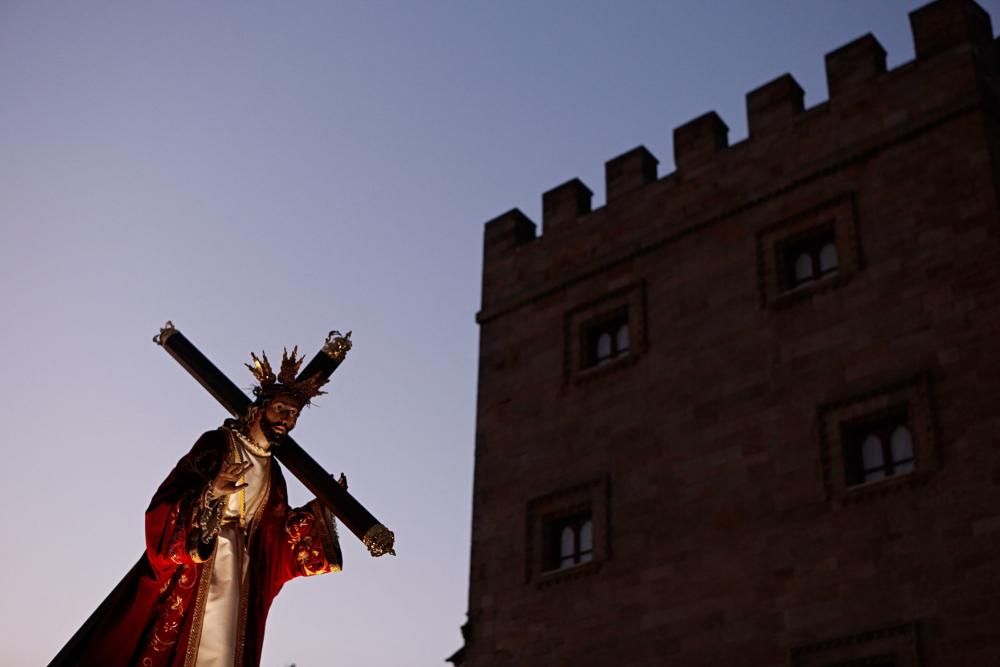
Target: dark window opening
606,340
809,258
569,541
879,447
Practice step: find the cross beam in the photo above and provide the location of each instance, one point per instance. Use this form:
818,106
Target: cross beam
377,538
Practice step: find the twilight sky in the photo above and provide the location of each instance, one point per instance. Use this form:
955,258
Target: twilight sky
261,173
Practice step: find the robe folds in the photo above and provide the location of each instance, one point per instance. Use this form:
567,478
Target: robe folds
154,617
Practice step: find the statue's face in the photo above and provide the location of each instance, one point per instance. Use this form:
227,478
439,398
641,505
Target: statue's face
278,417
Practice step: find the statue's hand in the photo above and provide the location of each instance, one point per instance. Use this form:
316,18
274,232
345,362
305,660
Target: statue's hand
228,479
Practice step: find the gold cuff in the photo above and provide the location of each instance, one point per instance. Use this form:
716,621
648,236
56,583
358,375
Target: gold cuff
337,345
380,541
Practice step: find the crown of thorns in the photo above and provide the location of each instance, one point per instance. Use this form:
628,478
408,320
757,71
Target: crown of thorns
284,383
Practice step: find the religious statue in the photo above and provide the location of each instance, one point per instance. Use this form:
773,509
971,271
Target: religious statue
221,541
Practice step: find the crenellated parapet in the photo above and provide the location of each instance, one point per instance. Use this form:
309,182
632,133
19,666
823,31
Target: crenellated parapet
957,63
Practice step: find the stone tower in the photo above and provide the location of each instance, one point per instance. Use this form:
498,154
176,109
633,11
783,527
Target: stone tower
748,412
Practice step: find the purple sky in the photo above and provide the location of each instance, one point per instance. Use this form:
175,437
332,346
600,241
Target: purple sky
263,173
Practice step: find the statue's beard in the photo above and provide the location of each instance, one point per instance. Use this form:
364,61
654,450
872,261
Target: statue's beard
273,431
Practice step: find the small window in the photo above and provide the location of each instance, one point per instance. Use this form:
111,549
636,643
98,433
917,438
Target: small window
606,339
809,258
881,440
809,253
879,447
569,542
605,335
567,533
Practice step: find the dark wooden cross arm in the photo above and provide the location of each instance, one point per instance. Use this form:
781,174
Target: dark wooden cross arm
377,538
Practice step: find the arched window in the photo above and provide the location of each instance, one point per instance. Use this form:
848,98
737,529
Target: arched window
879,447
828,259
872,458
809,257
621,338
603,347
803,268
606,339
570,541
567,547
902,450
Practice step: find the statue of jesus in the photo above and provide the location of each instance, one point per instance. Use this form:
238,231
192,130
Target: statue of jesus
220,543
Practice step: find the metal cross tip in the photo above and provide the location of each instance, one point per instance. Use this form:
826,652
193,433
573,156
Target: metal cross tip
166,331
380,541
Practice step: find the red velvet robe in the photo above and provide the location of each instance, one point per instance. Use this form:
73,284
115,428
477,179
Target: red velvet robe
153,618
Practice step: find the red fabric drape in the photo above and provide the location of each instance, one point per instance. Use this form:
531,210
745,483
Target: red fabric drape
153,617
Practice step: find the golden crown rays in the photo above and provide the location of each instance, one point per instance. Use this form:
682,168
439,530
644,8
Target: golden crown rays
289,366
261,369
284,382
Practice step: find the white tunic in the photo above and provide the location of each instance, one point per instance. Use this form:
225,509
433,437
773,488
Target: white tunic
219,629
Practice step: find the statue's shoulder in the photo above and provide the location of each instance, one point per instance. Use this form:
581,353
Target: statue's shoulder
215,439
209,451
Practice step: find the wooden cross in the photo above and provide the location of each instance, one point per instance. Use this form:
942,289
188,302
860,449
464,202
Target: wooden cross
377,538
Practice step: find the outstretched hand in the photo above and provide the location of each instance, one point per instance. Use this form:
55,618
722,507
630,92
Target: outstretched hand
228,479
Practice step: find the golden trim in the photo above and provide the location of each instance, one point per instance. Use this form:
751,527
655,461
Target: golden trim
237,458
241,627
194,637
380,541
166,331
326,523
202,505
337,345
264,498
241,622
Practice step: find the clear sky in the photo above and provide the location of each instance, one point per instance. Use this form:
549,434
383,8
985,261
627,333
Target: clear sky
261,173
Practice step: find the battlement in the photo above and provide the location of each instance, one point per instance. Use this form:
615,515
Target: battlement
563,205
955,53
773,106
854,64
697,141
629,171
941,25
